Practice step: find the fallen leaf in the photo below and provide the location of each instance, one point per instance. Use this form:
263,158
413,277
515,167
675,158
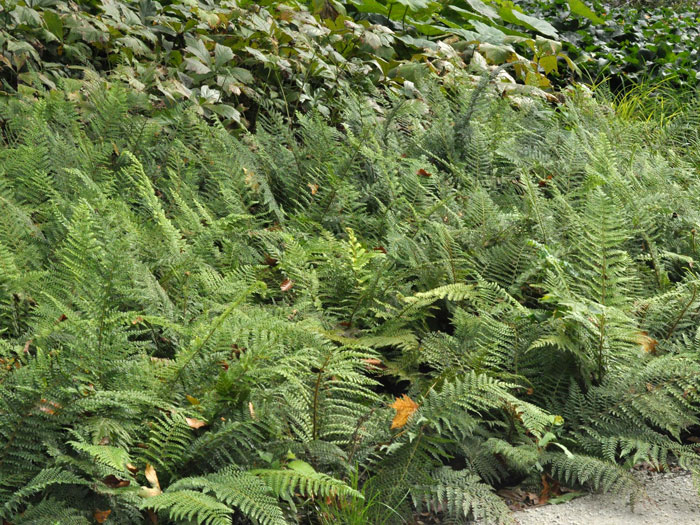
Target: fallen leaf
151,476
131,468
48,407
286,285
137,320
251,409
313,188
405,407
101,515
374,364
647,343
114,482
146,492
424,173
195,423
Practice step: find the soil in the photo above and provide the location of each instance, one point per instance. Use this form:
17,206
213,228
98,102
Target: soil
667,499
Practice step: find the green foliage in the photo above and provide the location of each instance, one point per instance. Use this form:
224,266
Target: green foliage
215,328
236,59
636,42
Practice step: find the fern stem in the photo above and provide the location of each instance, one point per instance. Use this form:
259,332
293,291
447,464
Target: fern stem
683,312
601,344
217,323
317,389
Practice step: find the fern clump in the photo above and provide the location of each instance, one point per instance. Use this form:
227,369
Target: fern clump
439,297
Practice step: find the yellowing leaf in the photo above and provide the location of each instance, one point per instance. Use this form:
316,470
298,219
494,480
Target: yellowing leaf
195,423
192,400
405,407
549,64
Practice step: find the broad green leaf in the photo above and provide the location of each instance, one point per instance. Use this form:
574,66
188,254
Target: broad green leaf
509,14
226,111
27,16
222,55
496,54
579,8
414,5
198,49
196,66
549,64
483,9
370,6
242,75
54,24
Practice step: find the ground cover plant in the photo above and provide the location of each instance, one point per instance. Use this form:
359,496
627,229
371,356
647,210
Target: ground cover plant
630,42
435,297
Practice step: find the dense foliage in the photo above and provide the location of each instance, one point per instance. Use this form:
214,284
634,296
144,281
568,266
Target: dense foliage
338,324
234,58
631,41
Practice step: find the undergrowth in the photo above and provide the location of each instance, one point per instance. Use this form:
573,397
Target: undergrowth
316,324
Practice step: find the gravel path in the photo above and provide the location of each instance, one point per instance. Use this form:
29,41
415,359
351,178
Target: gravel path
671,499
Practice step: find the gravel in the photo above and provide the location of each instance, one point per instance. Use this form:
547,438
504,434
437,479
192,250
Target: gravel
668,499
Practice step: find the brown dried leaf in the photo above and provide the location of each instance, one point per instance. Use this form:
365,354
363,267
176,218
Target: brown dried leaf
313,188
114,482
286,285
146,492
48,407
151,476
101,515
374,364
648,343
195,423
251,409
405,407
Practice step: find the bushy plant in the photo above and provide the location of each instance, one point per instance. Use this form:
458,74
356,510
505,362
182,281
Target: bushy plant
236,59
444,294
